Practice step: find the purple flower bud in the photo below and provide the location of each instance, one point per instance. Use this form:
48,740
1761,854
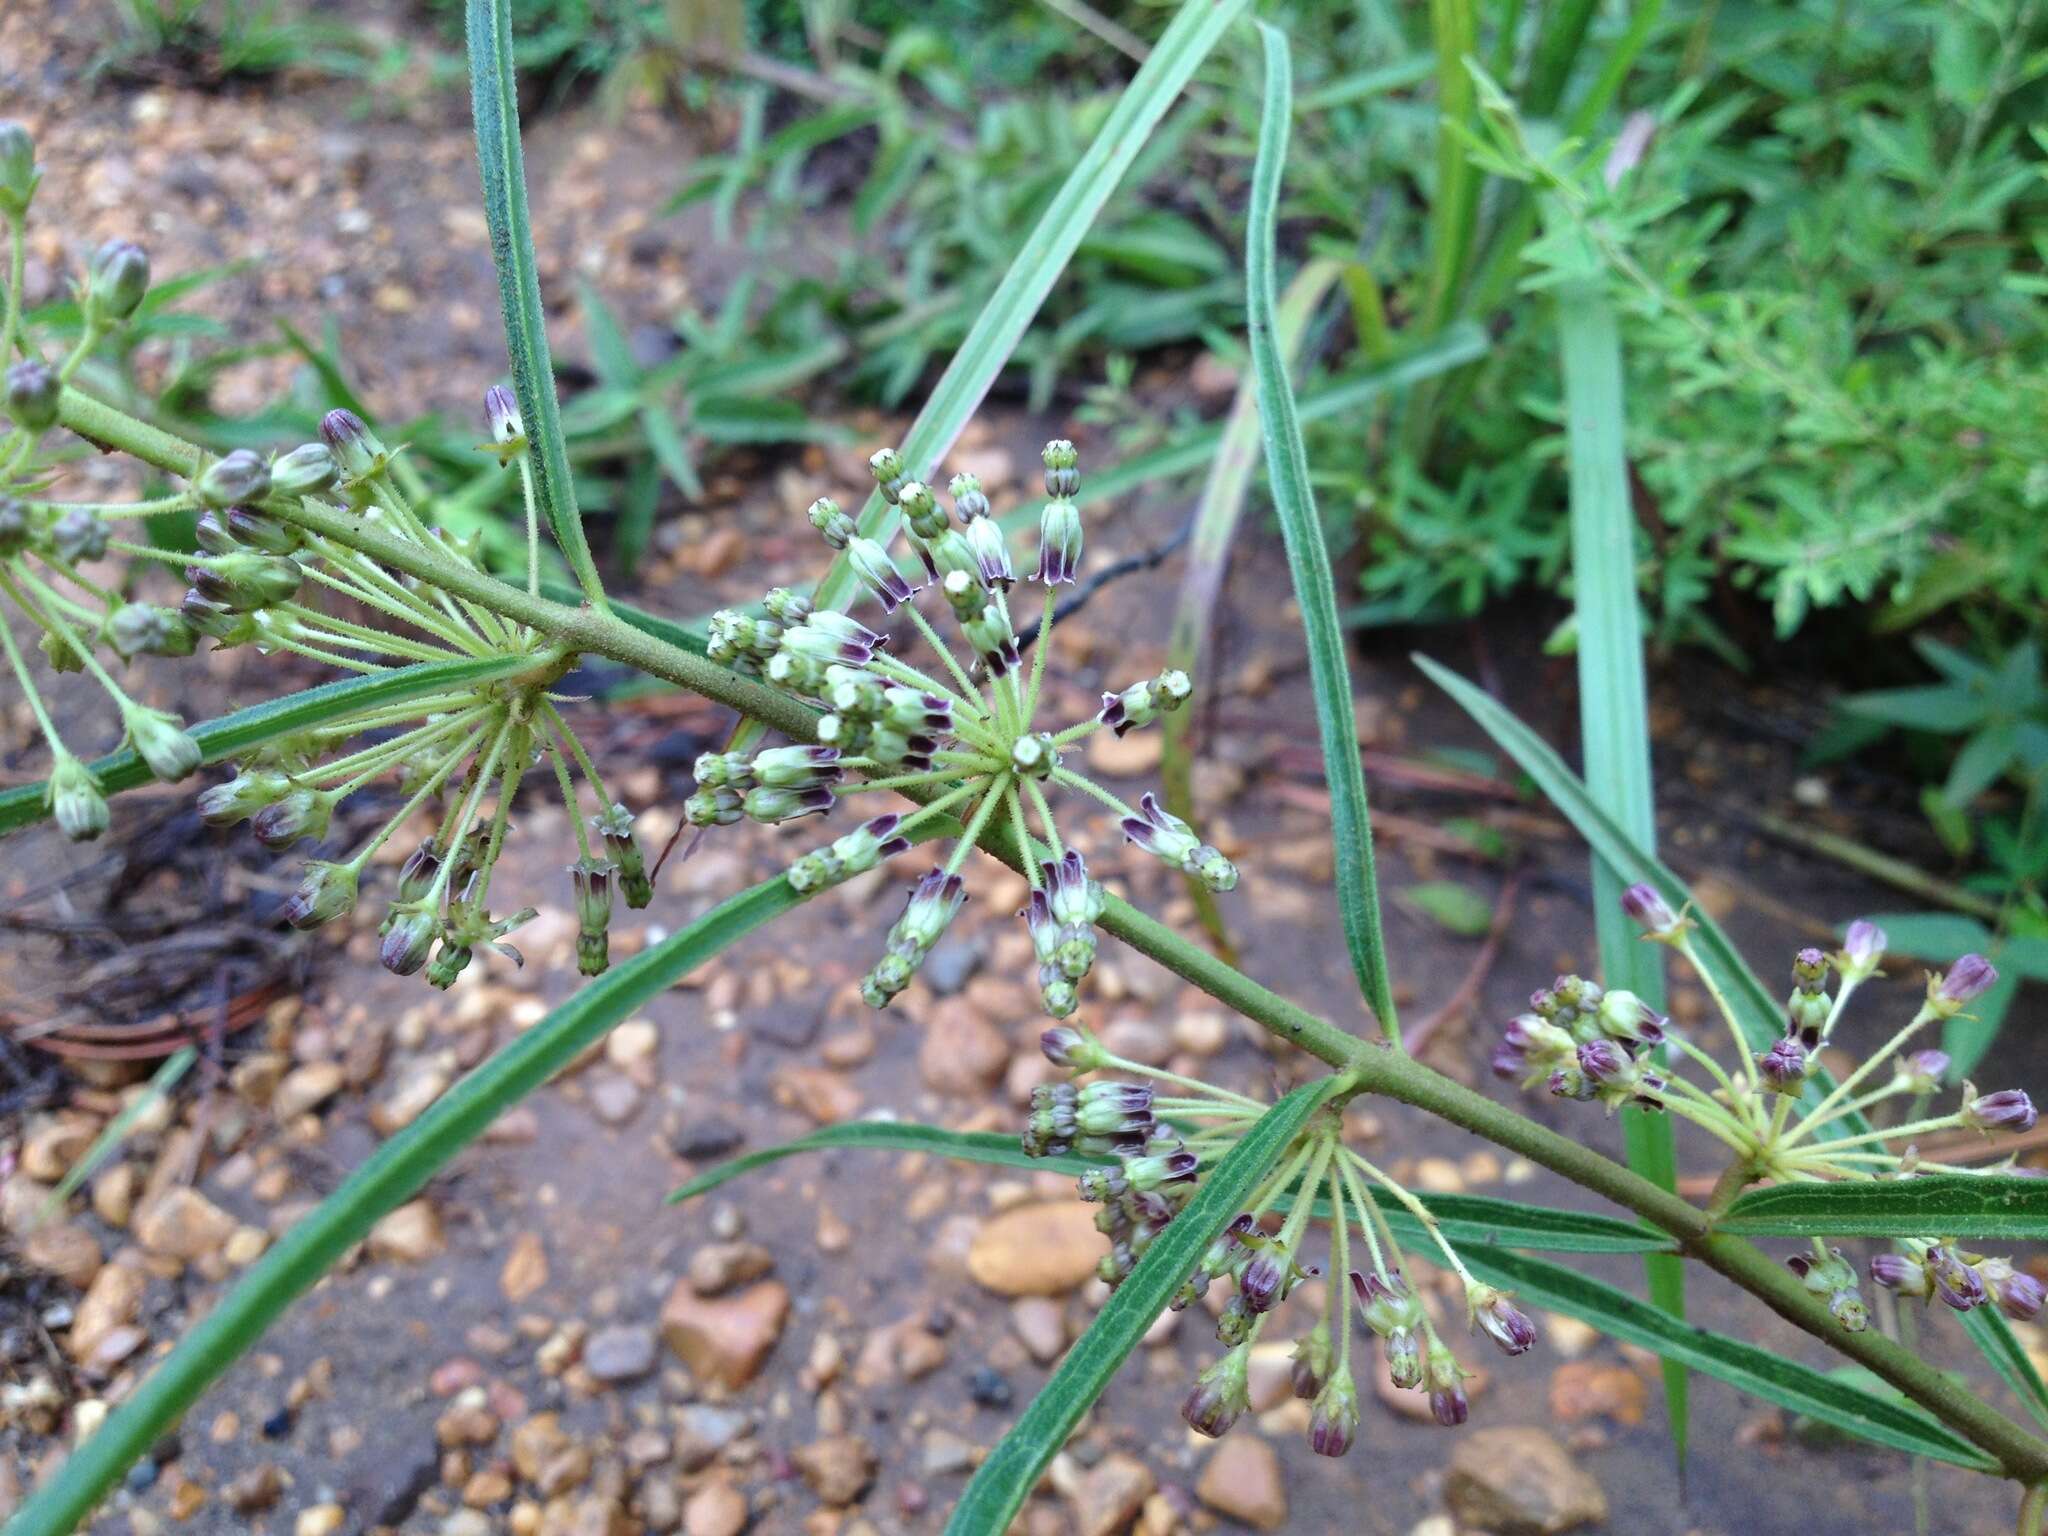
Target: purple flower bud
1450,1405
33,389
1782,1068
2009,1109
1602,1061
1509,1064
1073,1049
1863,947
1311,1361
1902,1273
328,892
299,813
1969,978
2018,1294
1333,1421
1404,1359
354,446
1955,1282
1501,1320
1220,1394
501,414
1924,1070
1262,1281
1650,911
407,942
117,277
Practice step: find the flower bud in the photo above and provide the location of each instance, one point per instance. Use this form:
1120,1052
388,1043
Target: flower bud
1810,969
1221,1393
245,582
772,807
838,529
77,536
75,799
887,466
1649,910
2009,1109
1033,756
1863,946
968,500
224,805
218,621
1782,1068
300,812
417,874
1955,1282
2018,1294
1386,1303
116,278
327,892
615,826
161,742
990,549
1902,1273
878,573
260,530
1500,1319
795,767
1059,542
921,511
1970,978
306,471
501,414
18,173
1625,1017
592,879
714,807
240,476
1922,1071
357,450
1165,836
1444,1379
786,607
33,389
449,964
137,629
407,942
1311,1361
1333,1419
1062,472
1073,1048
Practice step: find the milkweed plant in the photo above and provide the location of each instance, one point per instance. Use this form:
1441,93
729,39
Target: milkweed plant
451,688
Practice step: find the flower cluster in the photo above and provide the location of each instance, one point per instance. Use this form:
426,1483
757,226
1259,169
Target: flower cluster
1155,1137
465,745
963,740
1583,1043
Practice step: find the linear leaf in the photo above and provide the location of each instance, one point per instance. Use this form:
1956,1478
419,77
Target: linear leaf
1216,519
1001,1484
1465,1219
245,728
1614,725
1993,1335
387,1178
1802,1389
494,104
2004,1209
1308,561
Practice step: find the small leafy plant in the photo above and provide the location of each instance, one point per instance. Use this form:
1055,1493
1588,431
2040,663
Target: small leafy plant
454,693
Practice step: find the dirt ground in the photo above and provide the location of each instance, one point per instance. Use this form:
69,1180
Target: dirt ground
499,1359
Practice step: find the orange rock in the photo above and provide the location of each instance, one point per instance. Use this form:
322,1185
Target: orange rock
725,1339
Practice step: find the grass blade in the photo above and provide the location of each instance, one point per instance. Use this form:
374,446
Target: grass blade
233,734
161,1082
1454,203
1886,1421
1614,724
1216,519
1309,562
387,1178
1998,1208
494,103
1465,1219
999,1487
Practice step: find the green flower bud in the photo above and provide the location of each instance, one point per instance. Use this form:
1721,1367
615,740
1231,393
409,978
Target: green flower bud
78,535
787,608
615,826
887,466
241,476
116,279
224,805
921,510
161,742
18,173
1062,471
593,881
306,471
136,629
835,525
74,798
62,654
32,392
358,451
261,530
1034,756
328,891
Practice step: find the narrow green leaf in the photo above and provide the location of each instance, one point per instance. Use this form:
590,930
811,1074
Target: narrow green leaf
494,104
1216,519
116,1130
1994,1207
1467,1220
1454,201
233,734
1993,1335
1614,724
387,1178
1883,1421
1014,1466
1308,561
